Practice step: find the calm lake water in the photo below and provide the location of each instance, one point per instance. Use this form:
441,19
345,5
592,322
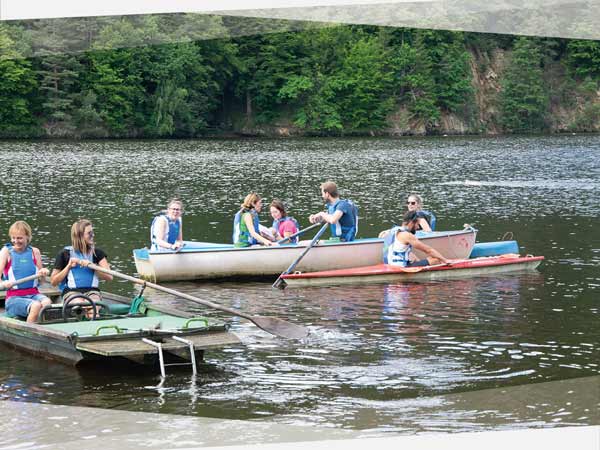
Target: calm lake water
381,358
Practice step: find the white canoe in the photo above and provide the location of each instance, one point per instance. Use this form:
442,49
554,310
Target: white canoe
202,260
385,273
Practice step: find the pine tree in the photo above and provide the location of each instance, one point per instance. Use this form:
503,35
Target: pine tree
524,99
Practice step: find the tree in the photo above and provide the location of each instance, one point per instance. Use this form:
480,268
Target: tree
583,58
363,86
523,97
415,85
17,83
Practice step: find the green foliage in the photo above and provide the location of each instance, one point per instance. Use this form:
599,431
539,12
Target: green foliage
524,98
415,83
584,58
17,83
363,84
169,76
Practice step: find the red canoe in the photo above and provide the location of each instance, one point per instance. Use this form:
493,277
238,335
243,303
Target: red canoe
384,273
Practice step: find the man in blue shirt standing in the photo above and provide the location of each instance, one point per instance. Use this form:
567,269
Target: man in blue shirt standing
342,214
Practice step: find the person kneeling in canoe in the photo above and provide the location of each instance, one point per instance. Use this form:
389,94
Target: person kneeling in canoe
399,244
18,260
70,271
246,224
166,231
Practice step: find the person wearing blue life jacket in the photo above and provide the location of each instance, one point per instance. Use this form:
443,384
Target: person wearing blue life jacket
71,272
283,225
18,259
166,231
427,219
400,242
342,214
246,224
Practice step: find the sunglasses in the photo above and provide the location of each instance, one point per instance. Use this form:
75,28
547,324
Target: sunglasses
411,203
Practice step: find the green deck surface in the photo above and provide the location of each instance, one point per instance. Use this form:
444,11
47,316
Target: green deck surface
126,324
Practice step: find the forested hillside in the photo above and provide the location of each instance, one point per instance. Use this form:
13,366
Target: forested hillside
169,76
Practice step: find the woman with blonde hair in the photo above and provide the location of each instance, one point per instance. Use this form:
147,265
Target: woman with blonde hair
246,224
18,259
427,219
71,272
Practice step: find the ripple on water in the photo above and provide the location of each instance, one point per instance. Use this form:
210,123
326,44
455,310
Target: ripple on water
395,357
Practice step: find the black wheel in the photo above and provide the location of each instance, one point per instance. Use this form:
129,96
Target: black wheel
83,301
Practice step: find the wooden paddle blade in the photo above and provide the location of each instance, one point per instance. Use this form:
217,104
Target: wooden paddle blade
280,327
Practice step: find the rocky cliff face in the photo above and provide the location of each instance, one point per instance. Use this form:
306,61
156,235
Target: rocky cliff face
573,107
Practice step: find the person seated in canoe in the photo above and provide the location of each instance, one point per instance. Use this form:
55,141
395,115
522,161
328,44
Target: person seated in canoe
427,219
166,231
71,272
400,242
283,225
18,259
246,224
342,214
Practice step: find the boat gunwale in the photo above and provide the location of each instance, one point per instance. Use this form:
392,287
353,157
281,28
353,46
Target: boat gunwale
231,248
391,270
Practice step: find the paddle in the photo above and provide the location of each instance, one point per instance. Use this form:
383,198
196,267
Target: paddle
272,325
298,233
279,282
23,280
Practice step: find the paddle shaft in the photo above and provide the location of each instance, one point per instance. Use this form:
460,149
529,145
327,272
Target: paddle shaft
279,281
23,280
171,291
298,233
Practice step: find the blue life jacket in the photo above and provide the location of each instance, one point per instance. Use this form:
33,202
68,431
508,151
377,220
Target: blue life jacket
241,235
170,236
347,227
393,256
429,217
80,277
21,265
283,219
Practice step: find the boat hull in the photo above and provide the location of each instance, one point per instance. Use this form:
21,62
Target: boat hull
205,261
383,273
76,343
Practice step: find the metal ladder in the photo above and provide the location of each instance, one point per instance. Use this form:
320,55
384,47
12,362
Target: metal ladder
161,358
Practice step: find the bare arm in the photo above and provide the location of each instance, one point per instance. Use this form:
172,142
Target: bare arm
424,224
103,275
57,276
250,225
326,217
42,272
161,230
102,263
180,235
3,260
418,245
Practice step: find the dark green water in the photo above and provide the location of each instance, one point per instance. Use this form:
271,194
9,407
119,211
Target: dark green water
377,355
